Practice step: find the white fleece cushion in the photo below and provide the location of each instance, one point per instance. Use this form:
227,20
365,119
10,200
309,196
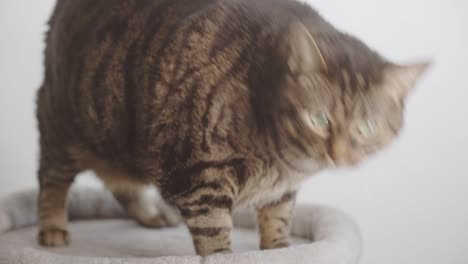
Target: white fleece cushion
321,235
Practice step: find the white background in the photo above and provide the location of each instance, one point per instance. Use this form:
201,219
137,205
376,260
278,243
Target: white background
410,201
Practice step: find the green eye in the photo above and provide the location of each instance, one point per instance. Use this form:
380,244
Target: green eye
319,120
367,128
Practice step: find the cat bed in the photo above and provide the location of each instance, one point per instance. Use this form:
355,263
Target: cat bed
101,233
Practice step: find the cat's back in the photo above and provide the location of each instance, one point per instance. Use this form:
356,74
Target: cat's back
86,36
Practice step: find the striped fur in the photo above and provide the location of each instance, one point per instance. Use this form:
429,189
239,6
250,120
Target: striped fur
204,99
275,221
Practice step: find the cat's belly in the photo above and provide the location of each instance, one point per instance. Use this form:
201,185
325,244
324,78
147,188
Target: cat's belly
277,182
268,189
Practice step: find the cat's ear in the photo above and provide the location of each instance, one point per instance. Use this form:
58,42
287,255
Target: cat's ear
400,80
301,51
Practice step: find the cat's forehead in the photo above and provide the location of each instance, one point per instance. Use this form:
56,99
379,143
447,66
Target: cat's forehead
358,94
350,84
373,101
352,91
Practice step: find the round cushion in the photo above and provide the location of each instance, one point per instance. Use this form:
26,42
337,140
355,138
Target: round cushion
101,233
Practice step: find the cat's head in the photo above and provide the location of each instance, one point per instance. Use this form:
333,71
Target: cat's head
339,101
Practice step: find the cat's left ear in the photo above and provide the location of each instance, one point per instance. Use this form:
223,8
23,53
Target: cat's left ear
300,50
400,80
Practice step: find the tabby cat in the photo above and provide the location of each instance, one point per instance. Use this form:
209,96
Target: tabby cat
217,103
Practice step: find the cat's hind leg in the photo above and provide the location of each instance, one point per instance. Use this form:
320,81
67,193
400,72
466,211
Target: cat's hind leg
133,195
146,208
55,178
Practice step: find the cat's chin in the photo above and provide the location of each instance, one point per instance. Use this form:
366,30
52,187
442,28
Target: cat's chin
310,166
344,164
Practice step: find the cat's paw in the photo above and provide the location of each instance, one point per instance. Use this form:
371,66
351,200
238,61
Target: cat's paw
282,244
158,221
53,237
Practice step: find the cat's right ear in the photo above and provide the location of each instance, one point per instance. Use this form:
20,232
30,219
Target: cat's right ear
401,79
301,50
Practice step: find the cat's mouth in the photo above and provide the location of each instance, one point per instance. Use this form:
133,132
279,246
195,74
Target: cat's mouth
340,155
343,162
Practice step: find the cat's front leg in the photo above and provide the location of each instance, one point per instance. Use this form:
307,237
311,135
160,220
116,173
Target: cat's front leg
206,210
274,221
211,231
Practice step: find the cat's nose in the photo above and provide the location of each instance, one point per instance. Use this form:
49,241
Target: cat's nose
338,149
339,152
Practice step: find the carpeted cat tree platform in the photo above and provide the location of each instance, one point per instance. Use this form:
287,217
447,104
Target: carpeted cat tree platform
101,233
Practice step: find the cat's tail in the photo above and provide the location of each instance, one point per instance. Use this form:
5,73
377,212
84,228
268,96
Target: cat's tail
20,209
